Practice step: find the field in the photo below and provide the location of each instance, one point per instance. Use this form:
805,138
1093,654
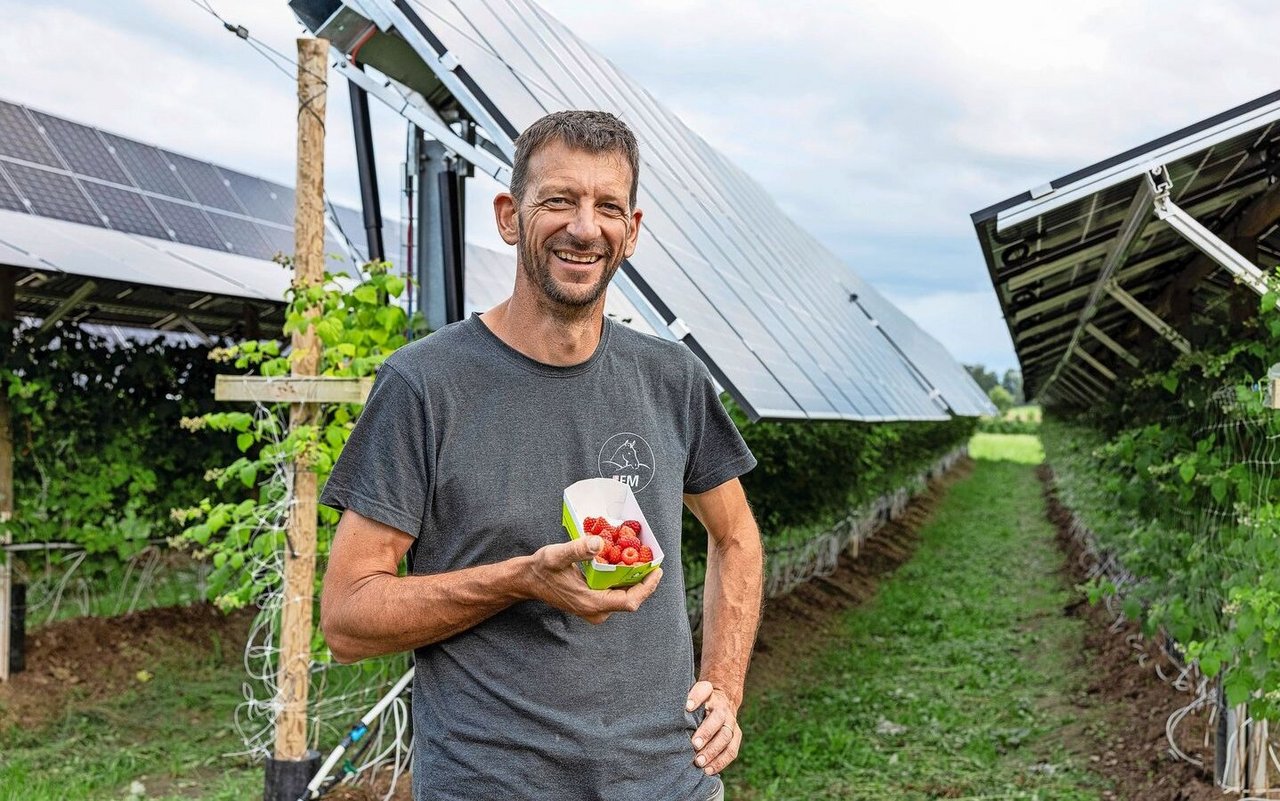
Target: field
951,660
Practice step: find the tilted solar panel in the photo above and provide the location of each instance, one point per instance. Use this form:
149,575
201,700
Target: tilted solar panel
759,295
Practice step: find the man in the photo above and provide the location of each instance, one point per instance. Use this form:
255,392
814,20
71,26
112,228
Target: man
530,685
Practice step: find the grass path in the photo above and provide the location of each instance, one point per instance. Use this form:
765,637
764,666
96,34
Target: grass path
955,681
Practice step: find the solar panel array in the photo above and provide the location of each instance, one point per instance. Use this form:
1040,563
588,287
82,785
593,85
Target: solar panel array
52,167
1045,251
761,298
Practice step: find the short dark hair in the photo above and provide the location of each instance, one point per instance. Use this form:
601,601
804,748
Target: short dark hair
592,131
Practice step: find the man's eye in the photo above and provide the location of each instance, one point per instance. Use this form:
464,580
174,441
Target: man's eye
558,201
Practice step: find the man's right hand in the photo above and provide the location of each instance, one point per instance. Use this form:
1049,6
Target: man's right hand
556,579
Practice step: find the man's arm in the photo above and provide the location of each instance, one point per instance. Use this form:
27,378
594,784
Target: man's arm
366,609
731,597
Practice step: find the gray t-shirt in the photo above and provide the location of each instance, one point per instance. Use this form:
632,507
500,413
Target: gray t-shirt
467,444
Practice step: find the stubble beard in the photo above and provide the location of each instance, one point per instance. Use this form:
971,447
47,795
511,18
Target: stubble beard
554,297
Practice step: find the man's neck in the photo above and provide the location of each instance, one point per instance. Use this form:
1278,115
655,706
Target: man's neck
546,335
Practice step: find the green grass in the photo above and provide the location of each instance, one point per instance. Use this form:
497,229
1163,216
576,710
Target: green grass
965,646
171,733
1020,448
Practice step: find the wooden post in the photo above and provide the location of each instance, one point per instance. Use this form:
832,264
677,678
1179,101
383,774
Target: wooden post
300,551
1259,775
7,277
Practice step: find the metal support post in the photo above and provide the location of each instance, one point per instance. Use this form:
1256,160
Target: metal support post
365,165
438,247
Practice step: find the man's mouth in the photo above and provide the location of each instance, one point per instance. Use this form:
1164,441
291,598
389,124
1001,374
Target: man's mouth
577,258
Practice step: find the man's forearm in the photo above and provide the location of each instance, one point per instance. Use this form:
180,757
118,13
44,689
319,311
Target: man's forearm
732,594
385,613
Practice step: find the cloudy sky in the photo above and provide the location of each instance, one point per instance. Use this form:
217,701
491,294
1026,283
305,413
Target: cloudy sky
879,125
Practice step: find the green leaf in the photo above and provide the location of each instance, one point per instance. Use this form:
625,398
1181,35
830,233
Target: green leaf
394,285
244,441
1218,487
1237,690
366,294
1170,382
1187,470
249,475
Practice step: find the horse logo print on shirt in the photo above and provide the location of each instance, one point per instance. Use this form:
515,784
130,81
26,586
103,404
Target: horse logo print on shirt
627,457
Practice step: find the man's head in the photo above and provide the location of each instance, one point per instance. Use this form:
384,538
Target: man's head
596,132
571,210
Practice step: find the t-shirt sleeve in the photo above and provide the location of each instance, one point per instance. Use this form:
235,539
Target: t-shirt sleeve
383,473
717,451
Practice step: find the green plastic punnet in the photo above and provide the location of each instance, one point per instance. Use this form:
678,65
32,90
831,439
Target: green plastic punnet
613,500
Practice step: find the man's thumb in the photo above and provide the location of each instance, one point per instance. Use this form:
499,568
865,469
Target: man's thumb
581,549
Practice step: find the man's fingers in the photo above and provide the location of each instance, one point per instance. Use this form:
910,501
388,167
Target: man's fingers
698,695
711,726
579,550
726,756
715,745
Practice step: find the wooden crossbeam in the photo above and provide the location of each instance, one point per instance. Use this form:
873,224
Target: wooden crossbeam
291,389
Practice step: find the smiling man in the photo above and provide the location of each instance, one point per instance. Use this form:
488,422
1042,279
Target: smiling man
530,685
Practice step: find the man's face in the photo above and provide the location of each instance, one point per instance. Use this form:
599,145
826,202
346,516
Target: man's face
574,226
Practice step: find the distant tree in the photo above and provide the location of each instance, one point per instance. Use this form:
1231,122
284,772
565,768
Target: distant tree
1012,382
1001,398
985,378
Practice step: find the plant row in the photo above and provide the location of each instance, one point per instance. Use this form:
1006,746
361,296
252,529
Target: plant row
1177,477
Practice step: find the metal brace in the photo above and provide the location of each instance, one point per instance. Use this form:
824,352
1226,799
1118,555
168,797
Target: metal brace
1147,316
1204,240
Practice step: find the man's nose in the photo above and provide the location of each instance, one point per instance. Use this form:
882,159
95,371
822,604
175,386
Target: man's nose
585,225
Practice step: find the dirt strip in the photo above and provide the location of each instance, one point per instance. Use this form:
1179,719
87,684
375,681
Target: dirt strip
1125,686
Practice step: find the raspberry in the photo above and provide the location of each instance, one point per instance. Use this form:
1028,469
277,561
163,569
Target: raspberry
634,525
615,554
592,525
646,553
630,555
629,542
627,531
607,531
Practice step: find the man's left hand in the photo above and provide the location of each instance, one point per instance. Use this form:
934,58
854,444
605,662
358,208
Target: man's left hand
717,740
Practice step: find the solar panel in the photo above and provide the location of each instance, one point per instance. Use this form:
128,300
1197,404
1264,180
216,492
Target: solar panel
147,167
20,138
53,194
82,149
758,294
188,224
8,196
206,185
126,210
278,240
241,236
260,198
1045,252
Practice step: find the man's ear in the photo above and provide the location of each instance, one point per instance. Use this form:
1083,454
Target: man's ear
634,235
505,210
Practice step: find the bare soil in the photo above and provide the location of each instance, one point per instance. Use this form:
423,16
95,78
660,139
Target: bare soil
90,658
1125,687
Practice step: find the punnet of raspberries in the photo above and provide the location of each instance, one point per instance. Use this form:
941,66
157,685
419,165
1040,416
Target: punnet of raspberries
622,544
